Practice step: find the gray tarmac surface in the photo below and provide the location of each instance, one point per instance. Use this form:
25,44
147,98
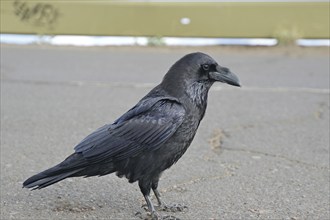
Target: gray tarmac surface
261,152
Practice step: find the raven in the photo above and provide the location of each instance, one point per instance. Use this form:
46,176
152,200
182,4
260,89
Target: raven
150,137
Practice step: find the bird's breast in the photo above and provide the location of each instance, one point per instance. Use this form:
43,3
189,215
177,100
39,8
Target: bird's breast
181,140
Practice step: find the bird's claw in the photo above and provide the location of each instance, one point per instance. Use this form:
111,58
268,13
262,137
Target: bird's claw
156,216
170,217
175,208
149,216
145,207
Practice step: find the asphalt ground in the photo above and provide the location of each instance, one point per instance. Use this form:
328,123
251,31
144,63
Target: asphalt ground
261,152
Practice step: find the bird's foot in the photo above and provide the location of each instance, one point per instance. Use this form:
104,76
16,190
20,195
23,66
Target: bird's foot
156,216
174,208
149,216
170,217
164,207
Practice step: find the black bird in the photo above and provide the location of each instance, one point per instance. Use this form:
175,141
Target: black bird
151,136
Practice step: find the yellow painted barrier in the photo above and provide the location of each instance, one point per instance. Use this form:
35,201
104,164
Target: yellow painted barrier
217,19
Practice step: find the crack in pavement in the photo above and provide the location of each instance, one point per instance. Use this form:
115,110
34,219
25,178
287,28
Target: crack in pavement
276,156
151,85
181,186
277,89
82,83
229,172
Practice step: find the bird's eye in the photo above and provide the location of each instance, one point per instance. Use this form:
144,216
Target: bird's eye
206,67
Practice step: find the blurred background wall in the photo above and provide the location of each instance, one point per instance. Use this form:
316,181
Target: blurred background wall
281,19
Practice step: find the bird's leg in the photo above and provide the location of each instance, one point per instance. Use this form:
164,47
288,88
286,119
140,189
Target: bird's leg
158,197
145,189
162,205
154,186
150,206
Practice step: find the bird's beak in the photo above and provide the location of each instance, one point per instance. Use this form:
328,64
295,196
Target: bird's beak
223,74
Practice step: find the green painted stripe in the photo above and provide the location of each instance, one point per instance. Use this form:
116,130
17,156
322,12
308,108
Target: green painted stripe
217,19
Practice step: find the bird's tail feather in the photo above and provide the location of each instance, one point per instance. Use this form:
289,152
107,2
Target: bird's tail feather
43,179
70,167
73,166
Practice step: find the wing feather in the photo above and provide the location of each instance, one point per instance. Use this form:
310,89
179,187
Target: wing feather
145,127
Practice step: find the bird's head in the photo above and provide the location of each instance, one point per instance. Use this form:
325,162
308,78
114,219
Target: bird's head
198,68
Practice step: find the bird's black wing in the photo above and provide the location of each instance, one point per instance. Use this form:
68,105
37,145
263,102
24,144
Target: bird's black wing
146,126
